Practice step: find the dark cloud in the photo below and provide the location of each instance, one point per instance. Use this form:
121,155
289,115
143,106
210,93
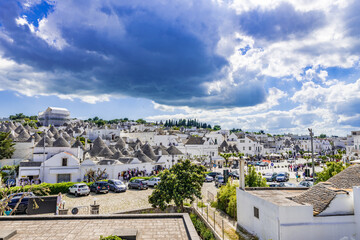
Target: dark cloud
134,50
280,23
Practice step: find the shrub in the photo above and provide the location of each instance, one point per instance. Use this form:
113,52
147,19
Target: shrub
204,232
201,205
187,204
145,178
42,189
111,237
226,199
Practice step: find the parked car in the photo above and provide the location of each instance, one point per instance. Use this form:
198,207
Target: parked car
138,183
10,182
263,164
219,180
234,175
209,178
100,187
282,177
116,185
272,184
305,184
290,160
270,177
152,182
287,184
79,189
214,174
15,197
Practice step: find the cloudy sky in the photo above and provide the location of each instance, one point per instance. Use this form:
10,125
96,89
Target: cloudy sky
278,66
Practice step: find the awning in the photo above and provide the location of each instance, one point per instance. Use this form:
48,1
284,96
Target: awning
63,170
33,172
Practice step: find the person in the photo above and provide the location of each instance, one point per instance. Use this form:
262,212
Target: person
297,176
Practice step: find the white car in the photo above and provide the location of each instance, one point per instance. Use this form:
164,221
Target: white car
153,181
79,189
209,178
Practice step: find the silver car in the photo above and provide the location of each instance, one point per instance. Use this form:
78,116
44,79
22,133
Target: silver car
116,185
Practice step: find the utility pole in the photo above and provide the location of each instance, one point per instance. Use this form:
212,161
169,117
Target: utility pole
312,152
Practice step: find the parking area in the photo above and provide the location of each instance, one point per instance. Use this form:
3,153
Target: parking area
110,202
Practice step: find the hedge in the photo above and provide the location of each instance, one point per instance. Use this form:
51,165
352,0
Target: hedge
42,189
112,237
204,232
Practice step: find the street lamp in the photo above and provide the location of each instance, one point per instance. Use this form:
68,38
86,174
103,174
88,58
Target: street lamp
312,151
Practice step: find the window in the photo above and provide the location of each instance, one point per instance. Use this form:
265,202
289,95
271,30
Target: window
64,162
256,212
249,148
63,178
244,148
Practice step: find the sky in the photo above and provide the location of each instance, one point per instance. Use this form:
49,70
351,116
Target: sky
278,66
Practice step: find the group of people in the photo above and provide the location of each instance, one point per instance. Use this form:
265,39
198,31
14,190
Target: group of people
127,175
26,181
296,167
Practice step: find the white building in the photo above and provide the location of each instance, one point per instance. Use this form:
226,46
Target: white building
328,210
54,116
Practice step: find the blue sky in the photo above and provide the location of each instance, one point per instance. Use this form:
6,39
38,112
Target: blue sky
278,66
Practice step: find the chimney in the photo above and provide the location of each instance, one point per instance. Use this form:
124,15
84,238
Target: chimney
242,173
160,152
86,144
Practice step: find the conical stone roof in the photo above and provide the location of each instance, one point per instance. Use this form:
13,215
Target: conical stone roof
172,150
77,144
53,130
142,157
105,152
49,143
163,151
23,136
148,151
37,137
117,155
98,145
19,129
66,136
61,142
120,144
113,149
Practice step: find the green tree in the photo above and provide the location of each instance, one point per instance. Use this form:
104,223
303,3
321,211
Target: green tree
254,179
182,182
217,128
6,145
226,157
141,121
322,135
331,169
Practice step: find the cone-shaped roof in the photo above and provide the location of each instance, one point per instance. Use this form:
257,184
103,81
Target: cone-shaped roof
163,151
12,125
117,155
19,129
105,152
61,142
12,136
27,127
56,135
49,143
98,145
147,149
172,150
23,136
66,136
53,130
113,148
125,152
120,144
142,157
77,144
37,137
49,134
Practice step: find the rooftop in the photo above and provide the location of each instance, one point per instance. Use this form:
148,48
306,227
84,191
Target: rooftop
149,226
278,196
